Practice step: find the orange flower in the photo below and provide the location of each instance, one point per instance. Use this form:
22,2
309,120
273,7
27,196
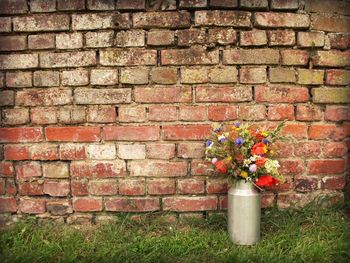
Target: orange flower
221,166
266,180
260,162
259,149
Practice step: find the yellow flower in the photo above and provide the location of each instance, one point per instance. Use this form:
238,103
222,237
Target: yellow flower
244,174
265,149
265,134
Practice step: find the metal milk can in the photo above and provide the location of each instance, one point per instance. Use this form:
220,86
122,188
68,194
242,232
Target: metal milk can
244,212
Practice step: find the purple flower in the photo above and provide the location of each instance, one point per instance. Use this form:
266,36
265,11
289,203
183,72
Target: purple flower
252,168
214,160
237,124
223,139
266,141
208,143
239,141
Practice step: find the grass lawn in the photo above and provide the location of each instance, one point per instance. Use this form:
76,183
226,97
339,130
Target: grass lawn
287,236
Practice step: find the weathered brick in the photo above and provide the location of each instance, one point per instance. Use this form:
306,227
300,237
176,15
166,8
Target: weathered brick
13,43
131,151
18,79
310,76
76,114
337,77
333,182
281,93
13,7
339,40
161,19
305,184
42,41
42,6
184,204
97,169
101,114
157,168
254,4
71,5
192,56
222,18
308,149
7,97
99,39
78,77
222,113
329,23
57,188
100,21
102,96
163,94
56,170
43,152
5,24
296,130
128,57
334,150
332,58
72,152
331,95
101,152
131,133
160,151
23,134
188,37
161,186
336,113
160,38
32,206
44,97
252,112
192,4
100,5
192,113
46,79
224,3
8,204
222,36
190,186
193,150
327,6
284,4
294,57
59,207
36,23
223,74
87,204
162,113
252,75
311,39
223,94
132,114
132,187
185,132
19,61
68,59
130,38
191,75
69,41
308,112
134,75
15,116
245,56
6,169
72,134
326,166
281,112
288,20
253,38
280,74
326,132
103,187
25,170
132,5
134,204
281,38
164,75
104,76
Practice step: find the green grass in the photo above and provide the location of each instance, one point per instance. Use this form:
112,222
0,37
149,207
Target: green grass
287,236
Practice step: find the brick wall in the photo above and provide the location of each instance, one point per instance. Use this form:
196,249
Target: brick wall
105,106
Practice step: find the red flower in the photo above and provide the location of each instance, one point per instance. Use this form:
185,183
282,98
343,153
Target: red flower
260,162
266,180
240,158
259,149
221,166
259,136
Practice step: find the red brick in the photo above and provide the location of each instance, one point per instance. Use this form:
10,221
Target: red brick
337,113
332,58
120,204
71,5
162,113
337,77
305,184
42,22
79,188
97,169
72,152
101,114
252,112
24,134
223,202
223,94
281,38
161,19
11,188
68,59
42,41
291,167
217,186
256,56
193,113
132,5
185,204
308,149
297,130
105,187
190,150
131,133
132,114
187,132
333,182
308,112
44,97
44,152
222,18
167,94
253,38
294,57
6,169
222,113
281,93
72,134
102,96
12,43
326,166
281,112
329,23
252,75
87,204
31,188
192,56
222,36
15,116
13,7
8,204
160,151
339,40
129,57
16,152
334,149
160,38
32,206
267,200
157,168
326,132
200,167
161,186
190,186
19,61
57,188
192,36
100,21
132,187
282,149
288,20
